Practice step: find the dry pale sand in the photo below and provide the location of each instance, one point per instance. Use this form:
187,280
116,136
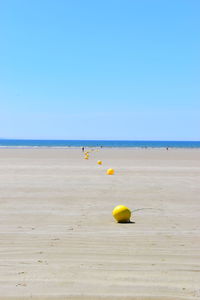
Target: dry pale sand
58,238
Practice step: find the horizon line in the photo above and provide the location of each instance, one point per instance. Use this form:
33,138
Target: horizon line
118,140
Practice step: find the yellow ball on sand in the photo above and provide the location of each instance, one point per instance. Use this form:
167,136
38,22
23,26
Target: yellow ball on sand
121,214
110,172
86,157
99,162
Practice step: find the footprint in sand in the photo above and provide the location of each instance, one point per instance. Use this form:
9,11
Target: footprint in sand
21,284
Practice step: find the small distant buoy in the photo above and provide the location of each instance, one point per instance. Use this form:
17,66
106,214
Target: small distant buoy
110,172
121,214
99,162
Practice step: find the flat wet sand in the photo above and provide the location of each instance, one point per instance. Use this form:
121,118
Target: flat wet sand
58,237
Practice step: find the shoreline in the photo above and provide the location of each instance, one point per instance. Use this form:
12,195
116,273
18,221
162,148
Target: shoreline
100,148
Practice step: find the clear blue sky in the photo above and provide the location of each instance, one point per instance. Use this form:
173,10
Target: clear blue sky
100,69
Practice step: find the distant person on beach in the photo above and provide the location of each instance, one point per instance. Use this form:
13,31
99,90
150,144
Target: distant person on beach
83,149
167,148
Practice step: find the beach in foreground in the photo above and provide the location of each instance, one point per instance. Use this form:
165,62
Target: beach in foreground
58,237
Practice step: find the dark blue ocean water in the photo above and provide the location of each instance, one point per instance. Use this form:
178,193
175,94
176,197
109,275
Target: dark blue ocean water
91,143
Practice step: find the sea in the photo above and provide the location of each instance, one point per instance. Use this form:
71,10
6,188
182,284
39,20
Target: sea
26,143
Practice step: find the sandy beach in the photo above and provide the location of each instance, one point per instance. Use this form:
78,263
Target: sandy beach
58,237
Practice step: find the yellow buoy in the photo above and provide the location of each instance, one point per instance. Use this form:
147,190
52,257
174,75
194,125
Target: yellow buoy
121,214
99,162
110,172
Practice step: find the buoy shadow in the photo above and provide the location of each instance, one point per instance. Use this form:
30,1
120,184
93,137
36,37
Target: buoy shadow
130,222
